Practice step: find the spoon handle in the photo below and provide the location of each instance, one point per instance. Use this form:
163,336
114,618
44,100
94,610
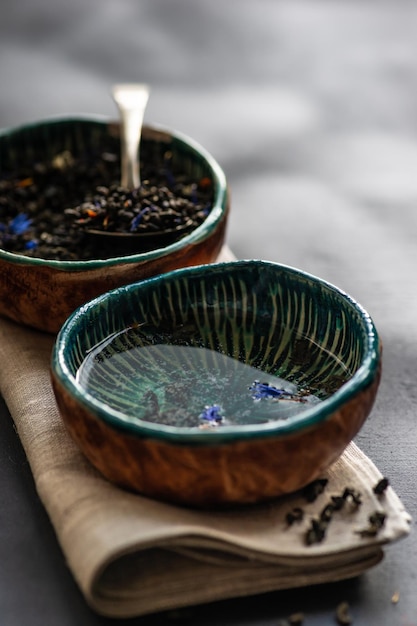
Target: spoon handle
131,100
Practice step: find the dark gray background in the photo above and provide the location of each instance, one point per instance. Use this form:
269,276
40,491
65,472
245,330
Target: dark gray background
310,106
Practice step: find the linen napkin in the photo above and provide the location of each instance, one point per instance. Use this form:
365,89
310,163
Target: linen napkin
132,556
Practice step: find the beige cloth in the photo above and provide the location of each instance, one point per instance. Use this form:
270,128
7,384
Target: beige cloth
131,555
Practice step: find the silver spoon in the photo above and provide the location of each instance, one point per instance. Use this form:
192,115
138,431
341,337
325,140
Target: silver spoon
131,100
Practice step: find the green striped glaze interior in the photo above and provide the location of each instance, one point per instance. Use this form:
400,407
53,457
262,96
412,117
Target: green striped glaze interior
271,317
43,140
22,146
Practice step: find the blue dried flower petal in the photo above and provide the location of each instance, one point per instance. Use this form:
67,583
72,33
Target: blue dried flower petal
265,390
135,222
212,414
19,224
138,218
31,245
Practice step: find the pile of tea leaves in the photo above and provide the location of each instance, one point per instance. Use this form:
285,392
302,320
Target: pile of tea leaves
47,210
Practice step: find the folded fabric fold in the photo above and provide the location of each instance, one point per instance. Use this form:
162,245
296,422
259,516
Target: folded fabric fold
131,555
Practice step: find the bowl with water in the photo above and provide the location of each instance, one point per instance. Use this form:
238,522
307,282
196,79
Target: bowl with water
218,384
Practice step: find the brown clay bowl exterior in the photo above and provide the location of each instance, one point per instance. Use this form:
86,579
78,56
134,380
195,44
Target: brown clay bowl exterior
330,345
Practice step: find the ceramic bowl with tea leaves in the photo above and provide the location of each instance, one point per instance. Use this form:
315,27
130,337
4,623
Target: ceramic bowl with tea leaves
55,178
229,383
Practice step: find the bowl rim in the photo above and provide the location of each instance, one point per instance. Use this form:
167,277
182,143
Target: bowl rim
216,214
312,416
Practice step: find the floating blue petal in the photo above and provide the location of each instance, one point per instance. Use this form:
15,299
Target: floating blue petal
265,390
212,414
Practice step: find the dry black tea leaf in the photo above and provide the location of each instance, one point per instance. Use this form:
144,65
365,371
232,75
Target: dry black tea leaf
376,522
381,486
312,491
343,616
295,515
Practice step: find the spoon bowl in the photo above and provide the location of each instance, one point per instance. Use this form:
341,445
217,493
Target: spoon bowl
131,243
131,100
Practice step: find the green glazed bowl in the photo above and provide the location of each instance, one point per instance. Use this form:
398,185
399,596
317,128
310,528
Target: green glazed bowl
225,334
42,293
